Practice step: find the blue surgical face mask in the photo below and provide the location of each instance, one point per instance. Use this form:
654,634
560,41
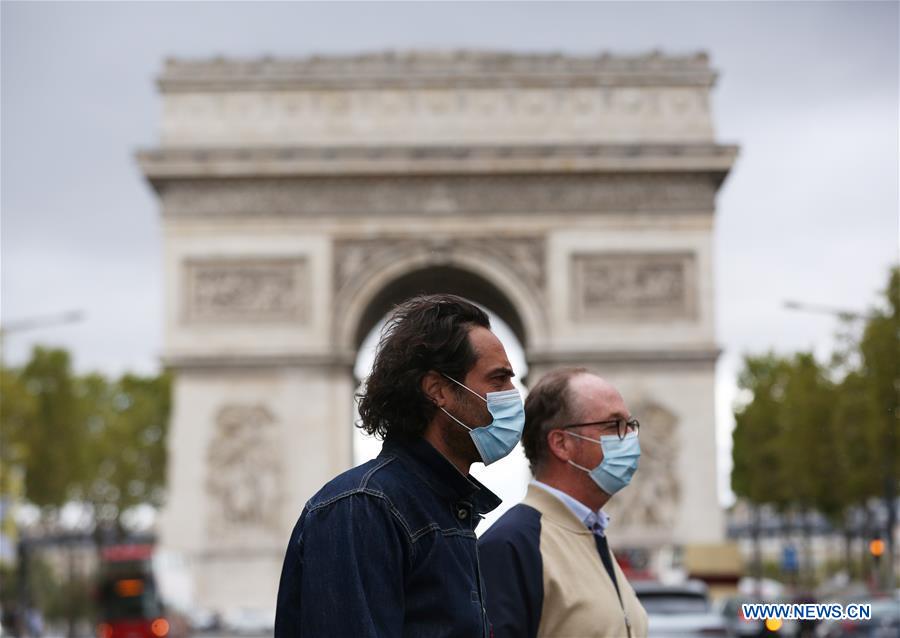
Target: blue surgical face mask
620,461
498,439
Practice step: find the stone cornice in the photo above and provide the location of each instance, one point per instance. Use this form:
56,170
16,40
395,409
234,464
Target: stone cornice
702,356
398,195
238,363
345,360
173,163
430,69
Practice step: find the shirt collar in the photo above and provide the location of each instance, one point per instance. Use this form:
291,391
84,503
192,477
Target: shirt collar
594,521
434,469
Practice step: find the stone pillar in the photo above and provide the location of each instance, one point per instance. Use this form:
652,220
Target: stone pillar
635,305
248,447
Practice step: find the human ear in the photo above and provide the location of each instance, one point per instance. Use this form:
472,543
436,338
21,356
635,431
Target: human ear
435,388
558,445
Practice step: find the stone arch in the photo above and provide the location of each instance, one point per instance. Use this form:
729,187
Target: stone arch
289,235
360,304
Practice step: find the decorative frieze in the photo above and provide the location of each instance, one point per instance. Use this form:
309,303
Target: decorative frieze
358,259
246,290
465,97
244,479
439,195
633,286
438,116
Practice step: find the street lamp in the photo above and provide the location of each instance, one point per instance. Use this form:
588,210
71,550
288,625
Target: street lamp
33,323
840,313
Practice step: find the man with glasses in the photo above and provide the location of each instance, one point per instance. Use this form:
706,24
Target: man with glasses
547,566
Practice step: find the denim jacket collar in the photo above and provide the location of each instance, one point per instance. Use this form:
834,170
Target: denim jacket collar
441,475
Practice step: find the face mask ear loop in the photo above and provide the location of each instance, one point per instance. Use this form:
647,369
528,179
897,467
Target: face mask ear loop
573,463
580,467
586,438
463,386
455,419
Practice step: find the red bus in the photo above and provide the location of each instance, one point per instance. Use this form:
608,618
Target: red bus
128,601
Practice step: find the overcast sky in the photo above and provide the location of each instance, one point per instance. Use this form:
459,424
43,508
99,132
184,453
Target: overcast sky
808,90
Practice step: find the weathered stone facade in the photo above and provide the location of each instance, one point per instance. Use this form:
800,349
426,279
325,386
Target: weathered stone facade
575,197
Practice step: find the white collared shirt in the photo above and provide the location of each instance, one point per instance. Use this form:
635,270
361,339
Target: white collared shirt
594,521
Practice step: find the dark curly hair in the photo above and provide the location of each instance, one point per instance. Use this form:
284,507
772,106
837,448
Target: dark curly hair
428,332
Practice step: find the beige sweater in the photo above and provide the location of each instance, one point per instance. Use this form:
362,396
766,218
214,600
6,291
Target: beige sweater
580,599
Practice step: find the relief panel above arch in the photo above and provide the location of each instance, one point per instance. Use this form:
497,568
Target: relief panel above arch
357,261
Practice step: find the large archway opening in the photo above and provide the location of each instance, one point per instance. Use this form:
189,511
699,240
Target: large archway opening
441,279
508,477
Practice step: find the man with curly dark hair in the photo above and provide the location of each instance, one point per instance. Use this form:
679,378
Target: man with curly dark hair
388,548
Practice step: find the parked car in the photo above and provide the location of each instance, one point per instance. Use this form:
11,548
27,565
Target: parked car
884,623
249,622
679,610
203,620
740,626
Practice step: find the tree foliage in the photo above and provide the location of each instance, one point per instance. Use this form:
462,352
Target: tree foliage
759,472
83,438
880,372
823,437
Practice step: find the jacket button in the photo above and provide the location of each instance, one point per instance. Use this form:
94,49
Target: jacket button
462,513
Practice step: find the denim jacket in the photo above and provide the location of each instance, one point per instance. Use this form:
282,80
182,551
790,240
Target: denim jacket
388,549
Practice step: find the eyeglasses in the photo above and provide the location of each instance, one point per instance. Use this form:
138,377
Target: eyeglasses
619,427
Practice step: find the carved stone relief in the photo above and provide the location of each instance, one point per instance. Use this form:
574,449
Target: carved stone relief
633,286
349,148
441,195
357,259
244,474
310,110
524,255
238,289
653,498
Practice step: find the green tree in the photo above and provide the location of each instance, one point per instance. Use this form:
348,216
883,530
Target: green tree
18,409
51,438
857,453
127,424
759,473
84,438
880,373
825,439
808,445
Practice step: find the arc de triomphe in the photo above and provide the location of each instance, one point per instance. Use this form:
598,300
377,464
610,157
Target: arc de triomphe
300,199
